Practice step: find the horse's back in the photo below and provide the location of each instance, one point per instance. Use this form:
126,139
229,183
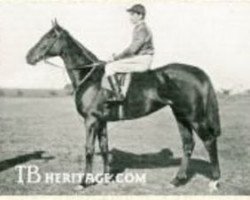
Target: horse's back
170,76
183,72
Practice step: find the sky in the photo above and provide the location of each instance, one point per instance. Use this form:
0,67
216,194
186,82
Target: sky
214,36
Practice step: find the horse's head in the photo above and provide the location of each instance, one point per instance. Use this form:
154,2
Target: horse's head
49,45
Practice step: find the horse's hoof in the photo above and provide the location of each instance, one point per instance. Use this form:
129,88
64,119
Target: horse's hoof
214,185
85,184
170,186
176,182
78,188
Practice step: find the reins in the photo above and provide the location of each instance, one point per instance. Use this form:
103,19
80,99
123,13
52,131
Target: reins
74,68
87,76
52,64
93,65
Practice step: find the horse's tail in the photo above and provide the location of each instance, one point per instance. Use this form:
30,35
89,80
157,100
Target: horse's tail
212,111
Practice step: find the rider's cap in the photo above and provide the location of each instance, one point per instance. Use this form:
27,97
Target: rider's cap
137,8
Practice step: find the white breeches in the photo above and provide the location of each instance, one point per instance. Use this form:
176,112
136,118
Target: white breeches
138,63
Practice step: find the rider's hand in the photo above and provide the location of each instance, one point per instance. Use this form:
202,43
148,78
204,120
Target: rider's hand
114,56
111,58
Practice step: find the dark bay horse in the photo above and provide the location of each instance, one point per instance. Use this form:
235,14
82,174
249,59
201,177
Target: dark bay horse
193,98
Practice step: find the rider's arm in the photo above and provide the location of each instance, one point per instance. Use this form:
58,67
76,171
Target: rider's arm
139,37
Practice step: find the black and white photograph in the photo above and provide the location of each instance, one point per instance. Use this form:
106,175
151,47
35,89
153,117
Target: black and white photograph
125,97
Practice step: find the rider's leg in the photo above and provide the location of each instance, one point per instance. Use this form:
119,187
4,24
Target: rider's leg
138,63
116,88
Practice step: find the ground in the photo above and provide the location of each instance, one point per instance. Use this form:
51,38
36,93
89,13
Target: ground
51,127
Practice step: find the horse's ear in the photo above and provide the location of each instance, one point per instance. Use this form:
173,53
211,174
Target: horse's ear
56,27
52,23
57,32
56,24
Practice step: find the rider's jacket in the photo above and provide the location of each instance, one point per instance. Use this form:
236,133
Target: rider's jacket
142,42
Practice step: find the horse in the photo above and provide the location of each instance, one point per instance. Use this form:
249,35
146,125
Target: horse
188,88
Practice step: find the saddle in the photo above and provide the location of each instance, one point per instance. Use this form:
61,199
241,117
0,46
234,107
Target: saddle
124,80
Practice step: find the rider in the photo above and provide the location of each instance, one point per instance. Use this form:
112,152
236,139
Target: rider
137,57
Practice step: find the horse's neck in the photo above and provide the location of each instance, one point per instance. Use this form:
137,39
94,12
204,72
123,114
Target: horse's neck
74,56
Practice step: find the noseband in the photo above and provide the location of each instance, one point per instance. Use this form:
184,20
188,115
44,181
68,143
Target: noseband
79,67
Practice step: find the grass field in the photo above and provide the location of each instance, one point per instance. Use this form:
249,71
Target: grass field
29,126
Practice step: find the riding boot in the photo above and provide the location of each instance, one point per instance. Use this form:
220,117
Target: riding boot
117,90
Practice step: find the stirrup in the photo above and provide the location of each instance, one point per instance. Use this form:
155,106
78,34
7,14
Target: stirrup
116,99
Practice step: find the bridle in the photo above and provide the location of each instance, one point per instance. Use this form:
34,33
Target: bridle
92,66
79,67
47,50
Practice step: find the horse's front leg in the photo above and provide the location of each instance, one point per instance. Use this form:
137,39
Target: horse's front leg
92,127
103,143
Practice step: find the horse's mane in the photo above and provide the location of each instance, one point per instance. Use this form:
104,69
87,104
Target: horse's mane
85,51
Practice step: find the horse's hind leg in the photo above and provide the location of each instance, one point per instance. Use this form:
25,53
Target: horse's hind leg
188,146
211,146
210,143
